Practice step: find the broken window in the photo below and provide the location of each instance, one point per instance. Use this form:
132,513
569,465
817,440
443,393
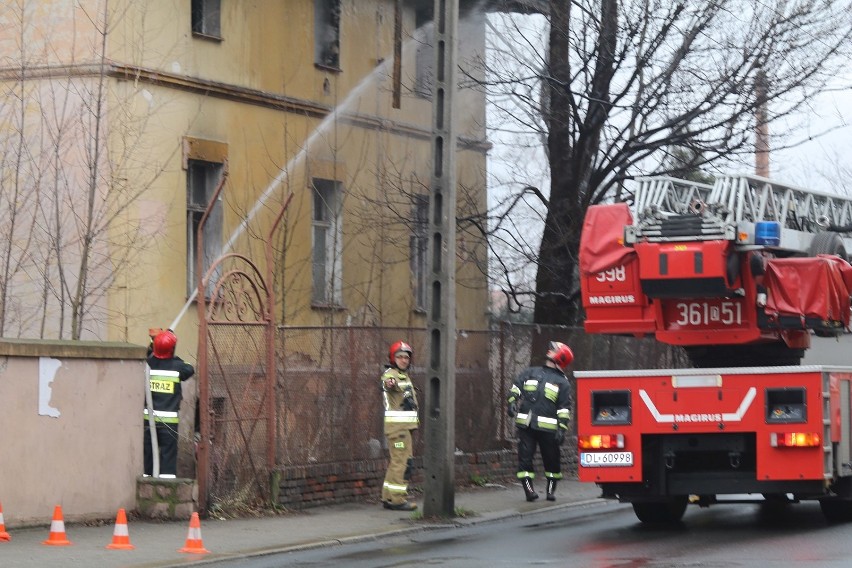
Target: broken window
206,18
327,243
327,33
202,179
424,78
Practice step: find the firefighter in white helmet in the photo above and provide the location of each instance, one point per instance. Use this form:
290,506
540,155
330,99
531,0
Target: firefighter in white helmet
400,402
540,402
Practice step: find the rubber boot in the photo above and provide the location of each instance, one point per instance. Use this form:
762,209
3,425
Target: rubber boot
528,489
404,506
551,490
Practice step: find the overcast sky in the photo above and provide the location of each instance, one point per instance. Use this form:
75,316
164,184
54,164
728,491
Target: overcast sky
823,161
824,130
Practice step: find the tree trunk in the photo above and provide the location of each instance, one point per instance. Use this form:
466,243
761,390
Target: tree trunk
572,149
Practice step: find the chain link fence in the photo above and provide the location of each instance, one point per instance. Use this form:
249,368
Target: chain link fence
328,402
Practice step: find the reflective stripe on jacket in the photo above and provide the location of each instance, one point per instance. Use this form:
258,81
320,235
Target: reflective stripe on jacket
165,377
399,414
163,416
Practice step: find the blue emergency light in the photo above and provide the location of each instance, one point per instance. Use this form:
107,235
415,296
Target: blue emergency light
767,233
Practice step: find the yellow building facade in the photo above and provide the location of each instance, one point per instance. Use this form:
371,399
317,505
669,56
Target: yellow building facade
120,118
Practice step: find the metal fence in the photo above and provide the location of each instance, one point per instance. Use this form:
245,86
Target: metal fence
328,397
330,406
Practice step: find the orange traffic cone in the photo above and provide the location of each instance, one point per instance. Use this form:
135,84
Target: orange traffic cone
57,530
120,535
4,536
193,537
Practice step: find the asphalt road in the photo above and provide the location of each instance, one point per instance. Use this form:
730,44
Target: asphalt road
605,535
829,351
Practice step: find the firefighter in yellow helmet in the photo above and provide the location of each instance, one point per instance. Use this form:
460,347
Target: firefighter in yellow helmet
540,401
400,402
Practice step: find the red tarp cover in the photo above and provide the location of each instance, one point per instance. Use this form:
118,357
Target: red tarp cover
602,243
809,287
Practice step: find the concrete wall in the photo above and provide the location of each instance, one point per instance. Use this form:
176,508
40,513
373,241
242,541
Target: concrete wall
70,428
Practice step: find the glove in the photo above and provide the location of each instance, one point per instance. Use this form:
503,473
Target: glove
560,436
513,409
408,401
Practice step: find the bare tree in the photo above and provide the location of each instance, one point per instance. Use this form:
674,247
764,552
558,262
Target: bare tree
626,84
74,162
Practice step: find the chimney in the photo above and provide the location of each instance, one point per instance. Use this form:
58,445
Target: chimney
761,128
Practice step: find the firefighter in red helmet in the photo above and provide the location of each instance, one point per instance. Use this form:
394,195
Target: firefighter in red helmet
540,402
167,372
400,402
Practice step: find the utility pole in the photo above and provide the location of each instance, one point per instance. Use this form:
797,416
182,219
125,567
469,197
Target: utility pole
440,415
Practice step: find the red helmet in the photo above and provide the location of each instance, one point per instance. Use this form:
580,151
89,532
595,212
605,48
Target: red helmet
164,344
396,348
560,354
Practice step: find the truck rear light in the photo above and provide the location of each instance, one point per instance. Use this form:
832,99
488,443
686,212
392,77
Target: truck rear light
794,439
610,407
601,441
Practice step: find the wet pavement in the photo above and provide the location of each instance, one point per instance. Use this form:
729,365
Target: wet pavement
157,544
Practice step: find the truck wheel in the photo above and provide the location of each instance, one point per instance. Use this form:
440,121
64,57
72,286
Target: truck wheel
827,243
669,511
836,510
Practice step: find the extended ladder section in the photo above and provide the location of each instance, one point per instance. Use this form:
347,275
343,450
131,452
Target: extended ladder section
666,209
740,272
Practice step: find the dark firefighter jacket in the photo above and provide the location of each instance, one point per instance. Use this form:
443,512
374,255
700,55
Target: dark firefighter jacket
166,376
543,396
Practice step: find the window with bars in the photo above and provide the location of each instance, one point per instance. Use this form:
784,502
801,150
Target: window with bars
327,243
202,179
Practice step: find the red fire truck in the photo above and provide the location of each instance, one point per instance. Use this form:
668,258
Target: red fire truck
741,274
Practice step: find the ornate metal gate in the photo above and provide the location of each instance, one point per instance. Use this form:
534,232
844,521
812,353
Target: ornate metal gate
236,372
236,386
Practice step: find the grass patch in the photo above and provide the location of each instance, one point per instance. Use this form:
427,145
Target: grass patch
479,480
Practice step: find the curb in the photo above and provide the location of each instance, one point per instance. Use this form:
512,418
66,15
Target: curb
230,556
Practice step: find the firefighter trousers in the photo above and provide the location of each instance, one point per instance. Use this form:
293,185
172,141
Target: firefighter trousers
551,456
395,487
167,440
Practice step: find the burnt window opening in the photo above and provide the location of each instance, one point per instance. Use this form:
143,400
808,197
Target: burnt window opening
424,63
327,33
206,18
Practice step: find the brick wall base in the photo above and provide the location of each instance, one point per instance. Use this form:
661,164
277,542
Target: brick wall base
305,486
